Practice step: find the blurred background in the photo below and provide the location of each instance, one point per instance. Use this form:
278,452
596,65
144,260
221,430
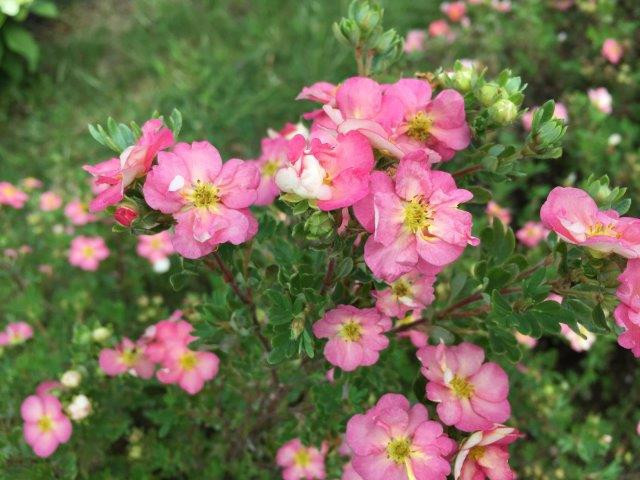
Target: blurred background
233,68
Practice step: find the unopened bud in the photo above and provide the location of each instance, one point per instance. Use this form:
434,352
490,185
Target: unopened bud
463,79
71,378
503,112
100,334
297,326
125,215
367,16
79,408
488,94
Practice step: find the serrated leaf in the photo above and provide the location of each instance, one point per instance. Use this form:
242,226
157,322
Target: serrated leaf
280,309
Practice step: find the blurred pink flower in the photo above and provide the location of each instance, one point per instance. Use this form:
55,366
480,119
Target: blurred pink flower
454,10
126,357
560,112
496,211
612,50
12,196
299,462
439,28
78,212
155,247
50,201
87,252
601,99
45,425
415,41
532,233
16,333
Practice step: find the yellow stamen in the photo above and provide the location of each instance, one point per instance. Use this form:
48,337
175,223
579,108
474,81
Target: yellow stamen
129,357
351,331
461,387
45,424
476,453
204,195
401,288
399,449
270,168
302,458
188,361
600,230
88,252
418,215
420,127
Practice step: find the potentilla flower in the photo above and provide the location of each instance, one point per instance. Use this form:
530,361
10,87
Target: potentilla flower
12,196
418,223
418,122
299,462
78,212
79,408
356,336
601,99
532,233
208,199
575,217
187,368
87,252
45,425
364,211
560,112
394,440
471,395
321,92
439,28
486,455
415,40
627,314
47,386
454,10
134,162
630,337
349,473
496,211
50,201
289,130
126,357
155,247
159,336
274,155
612,50
336,175
31,183
411,291
16,333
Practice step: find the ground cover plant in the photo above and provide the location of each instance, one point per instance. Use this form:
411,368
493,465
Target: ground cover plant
351,243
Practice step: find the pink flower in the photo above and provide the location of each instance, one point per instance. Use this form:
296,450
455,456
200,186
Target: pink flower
496,211
16,333
335,175
419,223
627,314
50,201
630,337
126,357
486,455
299,462
272,158
532,233
320,92
601,99
560,112
471,395
574,216
209,200
439,28
395,441
155,247
415,41
10,195
45,425
379,182
134,162
502,6
78,213
454,10
87,252
187,368
356,336
612,50
349,473
47,386
31,183
411,291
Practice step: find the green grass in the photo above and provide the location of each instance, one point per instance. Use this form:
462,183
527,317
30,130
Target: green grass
233,68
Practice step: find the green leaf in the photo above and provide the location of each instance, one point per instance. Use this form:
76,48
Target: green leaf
175,122
44,8
179,280
20,41
480,195
280,309
344,268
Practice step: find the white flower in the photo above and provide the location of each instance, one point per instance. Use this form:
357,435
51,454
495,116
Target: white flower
305,178
100,334
614,139
79,408
162,265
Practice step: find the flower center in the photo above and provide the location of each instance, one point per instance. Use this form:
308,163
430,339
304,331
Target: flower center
461,387
420,126
88,252
270,168
302,458
476,453
204,195
129,357
598,229
351,331
417,215
399,449
188,361
45,424
400,288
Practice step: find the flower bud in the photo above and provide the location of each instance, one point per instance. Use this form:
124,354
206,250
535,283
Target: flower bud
100,334
135,452
503,111
297,326
125,215
367,16
463,79
488,94
79,408
71,378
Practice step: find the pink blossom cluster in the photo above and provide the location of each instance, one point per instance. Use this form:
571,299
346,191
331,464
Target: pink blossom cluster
12,196
299,462
15,333
165,345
